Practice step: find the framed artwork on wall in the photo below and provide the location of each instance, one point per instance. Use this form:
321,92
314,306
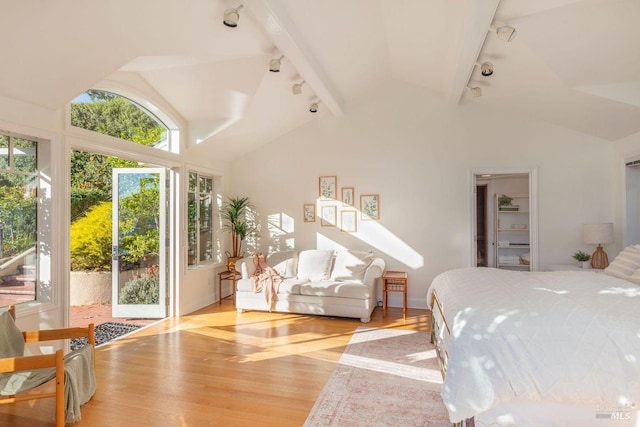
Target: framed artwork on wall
348,221
309,213
328,216
347,196
327,186
369,206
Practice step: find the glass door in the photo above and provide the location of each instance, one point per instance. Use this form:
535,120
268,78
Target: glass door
139,243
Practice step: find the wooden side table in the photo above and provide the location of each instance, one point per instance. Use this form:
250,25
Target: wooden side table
231,276
394,281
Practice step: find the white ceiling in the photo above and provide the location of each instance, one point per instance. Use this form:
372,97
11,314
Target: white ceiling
575,63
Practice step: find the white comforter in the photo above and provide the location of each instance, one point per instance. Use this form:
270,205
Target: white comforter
541,336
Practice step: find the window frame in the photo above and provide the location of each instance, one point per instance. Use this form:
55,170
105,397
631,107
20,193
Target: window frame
194,196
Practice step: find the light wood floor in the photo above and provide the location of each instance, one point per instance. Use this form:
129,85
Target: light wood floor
215,368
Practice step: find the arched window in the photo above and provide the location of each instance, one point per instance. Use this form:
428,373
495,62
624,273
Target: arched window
114,115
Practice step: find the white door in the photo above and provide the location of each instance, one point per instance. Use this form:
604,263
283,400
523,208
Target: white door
139,243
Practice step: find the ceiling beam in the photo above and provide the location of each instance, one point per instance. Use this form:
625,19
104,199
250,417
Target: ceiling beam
282,30
480,19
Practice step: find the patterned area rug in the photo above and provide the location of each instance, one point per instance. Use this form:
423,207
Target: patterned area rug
385,377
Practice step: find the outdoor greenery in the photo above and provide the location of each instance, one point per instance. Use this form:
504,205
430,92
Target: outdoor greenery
91,185
18,196
91,240
144,289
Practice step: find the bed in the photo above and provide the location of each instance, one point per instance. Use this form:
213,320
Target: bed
537,348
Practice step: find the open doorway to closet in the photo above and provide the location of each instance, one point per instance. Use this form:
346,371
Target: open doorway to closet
504,220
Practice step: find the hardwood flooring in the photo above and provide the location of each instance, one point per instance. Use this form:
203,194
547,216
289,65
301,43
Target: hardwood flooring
215,367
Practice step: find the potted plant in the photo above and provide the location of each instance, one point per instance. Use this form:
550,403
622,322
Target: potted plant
583,259
234,215
504,203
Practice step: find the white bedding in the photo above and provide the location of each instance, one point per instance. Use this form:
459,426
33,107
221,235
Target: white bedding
567,337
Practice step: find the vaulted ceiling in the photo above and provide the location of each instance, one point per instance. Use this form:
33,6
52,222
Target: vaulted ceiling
574,63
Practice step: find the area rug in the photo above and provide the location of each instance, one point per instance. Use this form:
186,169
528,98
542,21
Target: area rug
385,377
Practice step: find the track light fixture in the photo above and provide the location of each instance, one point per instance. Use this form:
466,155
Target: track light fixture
231,16
486,68
314,107
297,88
274,64
505,33
476,91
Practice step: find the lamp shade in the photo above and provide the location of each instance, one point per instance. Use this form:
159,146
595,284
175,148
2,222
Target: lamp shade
598,233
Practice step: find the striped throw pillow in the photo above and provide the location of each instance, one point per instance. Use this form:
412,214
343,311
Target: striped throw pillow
625,264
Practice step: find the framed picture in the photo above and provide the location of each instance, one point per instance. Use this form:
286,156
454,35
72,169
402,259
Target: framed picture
309,213
327,186
369,206
347,196
348,221
328,216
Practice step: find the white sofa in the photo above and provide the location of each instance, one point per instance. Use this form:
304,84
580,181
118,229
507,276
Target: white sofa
323,282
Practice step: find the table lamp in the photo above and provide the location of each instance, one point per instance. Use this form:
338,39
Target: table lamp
598,234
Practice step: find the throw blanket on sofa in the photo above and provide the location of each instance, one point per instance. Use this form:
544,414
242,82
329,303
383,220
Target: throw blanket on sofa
265,279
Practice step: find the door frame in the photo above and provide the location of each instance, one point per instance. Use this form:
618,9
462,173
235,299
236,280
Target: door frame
533,210
159,310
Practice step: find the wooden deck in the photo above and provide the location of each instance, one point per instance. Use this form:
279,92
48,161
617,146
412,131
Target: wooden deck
215,368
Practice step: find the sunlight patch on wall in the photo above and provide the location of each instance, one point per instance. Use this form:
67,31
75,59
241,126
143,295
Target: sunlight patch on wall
381,240
280,228
377,236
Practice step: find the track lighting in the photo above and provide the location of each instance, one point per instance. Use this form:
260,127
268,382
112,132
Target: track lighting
297,88
486,69
314,107
476,91
274,64
231,16
505,33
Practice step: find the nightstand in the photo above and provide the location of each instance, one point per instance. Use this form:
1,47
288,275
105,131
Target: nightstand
571,267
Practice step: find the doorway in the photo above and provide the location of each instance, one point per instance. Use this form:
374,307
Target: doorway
504,236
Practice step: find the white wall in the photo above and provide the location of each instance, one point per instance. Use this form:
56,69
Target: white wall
403,143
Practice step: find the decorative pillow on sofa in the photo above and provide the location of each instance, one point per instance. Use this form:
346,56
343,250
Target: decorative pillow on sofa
351,265
285,263
315,264
625,263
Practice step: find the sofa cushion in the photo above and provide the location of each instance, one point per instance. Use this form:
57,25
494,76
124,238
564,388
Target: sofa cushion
285,263
351,265
333,288
291,286
315,264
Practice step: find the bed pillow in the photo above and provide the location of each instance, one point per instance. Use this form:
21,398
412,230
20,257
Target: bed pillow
351,265
284,262
315,264
625,263
635,277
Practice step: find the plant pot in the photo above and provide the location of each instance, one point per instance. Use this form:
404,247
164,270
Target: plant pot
585,264
231,263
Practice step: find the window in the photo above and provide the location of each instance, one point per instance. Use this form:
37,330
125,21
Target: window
114,115
200,219
18,219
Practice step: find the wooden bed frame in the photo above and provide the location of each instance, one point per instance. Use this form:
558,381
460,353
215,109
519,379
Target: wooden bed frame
439,328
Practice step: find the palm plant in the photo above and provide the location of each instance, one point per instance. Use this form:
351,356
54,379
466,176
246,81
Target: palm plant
234,214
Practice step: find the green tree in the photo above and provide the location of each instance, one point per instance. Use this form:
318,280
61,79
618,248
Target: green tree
91,184
91,239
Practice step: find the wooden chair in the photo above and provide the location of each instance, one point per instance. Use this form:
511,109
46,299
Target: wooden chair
14,364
